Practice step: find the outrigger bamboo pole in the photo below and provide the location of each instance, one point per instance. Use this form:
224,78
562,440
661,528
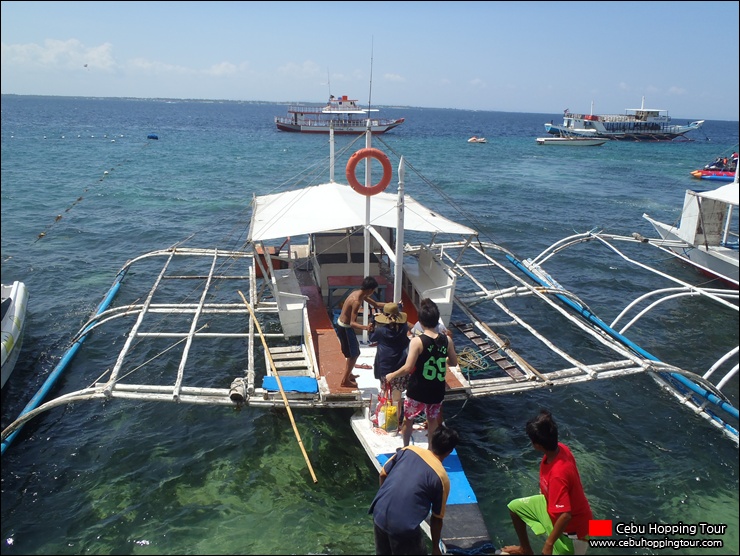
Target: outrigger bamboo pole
280,385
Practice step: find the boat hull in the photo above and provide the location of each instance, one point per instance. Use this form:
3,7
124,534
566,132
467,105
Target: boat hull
714,261
339,129
571,141
15,300
555,129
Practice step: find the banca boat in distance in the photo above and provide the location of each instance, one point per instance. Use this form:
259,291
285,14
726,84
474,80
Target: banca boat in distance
636,124
343,115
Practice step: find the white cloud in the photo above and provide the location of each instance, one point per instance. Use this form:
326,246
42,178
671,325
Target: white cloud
225,69
306,69
56,54
152,67
394,77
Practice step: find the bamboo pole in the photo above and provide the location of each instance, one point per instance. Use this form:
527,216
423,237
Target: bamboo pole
280,385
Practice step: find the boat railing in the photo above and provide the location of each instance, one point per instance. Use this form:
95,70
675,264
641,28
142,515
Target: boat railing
315,109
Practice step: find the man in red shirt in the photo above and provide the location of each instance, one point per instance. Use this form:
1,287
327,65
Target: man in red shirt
562,511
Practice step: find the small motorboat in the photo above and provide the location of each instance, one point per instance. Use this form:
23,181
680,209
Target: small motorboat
571,141
475,139
14,301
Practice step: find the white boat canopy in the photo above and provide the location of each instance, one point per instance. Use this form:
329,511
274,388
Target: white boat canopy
726,194
333,206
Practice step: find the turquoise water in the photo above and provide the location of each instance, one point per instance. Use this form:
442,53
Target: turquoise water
135,478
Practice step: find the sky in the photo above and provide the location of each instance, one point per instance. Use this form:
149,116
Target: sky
535,57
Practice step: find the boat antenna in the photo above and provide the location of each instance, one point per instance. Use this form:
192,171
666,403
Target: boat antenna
328,81
370,93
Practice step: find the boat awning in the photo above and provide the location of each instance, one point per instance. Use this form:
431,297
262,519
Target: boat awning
726,194
333,206
338,111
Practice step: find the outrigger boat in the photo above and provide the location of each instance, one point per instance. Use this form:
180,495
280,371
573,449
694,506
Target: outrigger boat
706,234
343,115
636,124
267,310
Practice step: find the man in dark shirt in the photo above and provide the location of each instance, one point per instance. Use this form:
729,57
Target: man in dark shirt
412,482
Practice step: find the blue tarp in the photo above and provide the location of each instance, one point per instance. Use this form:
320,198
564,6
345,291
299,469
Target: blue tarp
304,384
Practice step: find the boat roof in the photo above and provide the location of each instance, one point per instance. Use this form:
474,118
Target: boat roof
332,110
727,194
332,206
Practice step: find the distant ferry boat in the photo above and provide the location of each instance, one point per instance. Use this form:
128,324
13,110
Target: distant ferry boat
636,124
343,114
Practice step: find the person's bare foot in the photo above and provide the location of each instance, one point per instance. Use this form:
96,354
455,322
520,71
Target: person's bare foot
514,549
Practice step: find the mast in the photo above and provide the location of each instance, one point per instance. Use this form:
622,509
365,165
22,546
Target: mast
370,92
398,268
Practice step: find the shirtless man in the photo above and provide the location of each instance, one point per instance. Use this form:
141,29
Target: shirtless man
347,325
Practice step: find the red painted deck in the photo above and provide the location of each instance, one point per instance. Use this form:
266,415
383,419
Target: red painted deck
329,355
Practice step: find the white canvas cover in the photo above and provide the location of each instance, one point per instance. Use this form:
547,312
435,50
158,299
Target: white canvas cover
726,194
333,206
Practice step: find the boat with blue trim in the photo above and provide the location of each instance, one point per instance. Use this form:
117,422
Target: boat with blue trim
636,124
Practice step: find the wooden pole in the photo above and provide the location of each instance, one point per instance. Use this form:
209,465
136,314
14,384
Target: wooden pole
280,385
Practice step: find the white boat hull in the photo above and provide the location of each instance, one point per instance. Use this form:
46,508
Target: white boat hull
571,141
15,300
717,261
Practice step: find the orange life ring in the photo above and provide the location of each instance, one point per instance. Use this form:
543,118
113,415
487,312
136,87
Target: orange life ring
378,155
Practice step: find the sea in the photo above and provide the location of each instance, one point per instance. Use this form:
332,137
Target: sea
84,190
